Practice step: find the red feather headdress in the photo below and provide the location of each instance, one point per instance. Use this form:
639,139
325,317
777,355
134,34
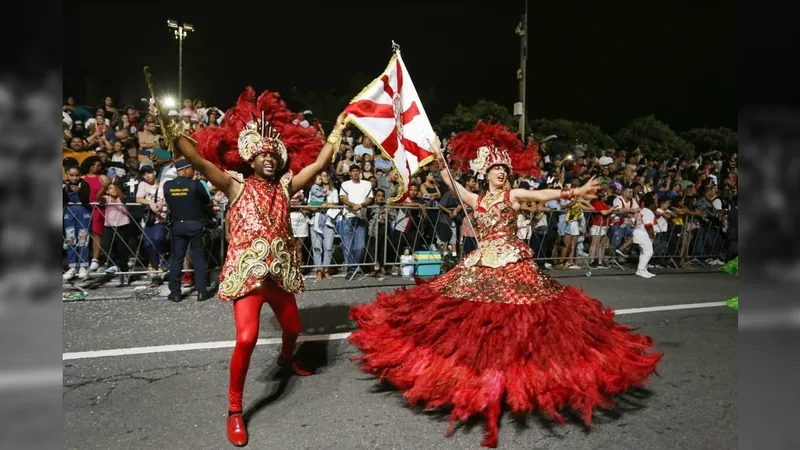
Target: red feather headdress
491,144
256,125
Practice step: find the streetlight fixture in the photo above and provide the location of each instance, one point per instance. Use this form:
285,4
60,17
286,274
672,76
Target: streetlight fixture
169,102
180,30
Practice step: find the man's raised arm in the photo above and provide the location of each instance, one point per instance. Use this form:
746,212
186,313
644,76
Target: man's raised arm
185,146
307,175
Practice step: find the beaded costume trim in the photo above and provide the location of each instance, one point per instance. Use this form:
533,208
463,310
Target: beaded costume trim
495,253
251,263
517,283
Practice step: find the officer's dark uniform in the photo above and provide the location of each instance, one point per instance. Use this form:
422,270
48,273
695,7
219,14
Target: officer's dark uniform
186,199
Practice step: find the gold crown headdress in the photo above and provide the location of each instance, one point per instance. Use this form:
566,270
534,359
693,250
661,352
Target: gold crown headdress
260,137
489,156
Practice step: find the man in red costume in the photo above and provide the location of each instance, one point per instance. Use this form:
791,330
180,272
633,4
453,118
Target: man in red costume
261,265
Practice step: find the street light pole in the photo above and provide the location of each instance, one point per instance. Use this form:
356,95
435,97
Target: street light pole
523,68
519,107
180,35
180,66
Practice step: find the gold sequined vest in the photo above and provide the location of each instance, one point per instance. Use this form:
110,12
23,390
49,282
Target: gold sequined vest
498,243
261,246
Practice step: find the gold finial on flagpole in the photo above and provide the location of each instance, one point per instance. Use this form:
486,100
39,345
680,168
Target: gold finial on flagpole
149,79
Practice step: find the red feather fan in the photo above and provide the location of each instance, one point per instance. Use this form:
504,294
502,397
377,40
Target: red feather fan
464,147
220,145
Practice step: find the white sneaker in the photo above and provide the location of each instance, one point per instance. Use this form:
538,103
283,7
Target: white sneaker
94,266
70,274
650,273
83,273
644,274
112,270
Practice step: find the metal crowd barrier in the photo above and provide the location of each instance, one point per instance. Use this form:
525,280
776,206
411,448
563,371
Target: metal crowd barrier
425,229
409,236
137,243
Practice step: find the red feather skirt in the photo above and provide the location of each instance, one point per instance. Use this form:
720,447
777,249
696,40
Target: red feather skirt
478,337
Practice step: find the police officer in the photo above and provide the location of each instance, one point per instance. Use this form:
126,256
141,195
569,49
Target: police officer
187,199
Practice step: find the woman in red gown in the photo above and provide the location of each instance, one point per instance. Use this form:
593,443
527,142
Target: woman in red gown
496,329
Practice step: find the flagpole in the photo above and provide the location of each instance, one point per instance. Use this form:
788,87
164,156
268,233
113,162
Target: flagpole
396,50
458,194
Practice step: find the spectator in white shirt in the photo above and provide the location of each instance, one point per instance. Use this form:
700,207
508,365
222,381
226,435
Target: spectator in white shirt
301,119
621,224
356,194
366,147
643,236
660,228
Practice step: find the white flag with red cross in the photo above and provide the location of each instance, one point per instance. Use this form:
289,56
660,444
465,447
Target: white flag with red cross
390,113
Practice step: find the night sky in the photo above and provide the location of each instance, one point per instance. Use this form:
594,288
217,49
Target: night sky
601,64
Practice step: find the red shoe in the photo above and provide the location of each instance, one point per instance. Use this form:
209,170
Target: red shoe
292,365
237,431
187,279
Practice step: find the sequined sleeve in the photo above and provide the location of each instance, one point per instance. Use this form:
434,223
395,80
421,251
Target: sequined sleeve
237,178
235,175
286,184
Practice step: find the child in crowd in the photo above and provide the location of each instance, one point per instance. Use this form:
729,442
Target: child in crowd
117,230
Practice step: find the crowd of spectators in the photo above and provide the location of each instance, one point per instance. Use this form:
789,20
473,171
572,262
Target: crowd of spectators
115,157
115,166
691,206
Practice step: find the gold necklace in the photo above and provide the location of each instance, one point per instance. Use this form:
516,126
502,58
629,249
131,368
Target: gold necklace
490,197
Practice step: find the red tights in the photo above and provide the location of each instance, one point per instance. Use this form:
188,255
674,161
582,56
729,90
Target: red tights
247,316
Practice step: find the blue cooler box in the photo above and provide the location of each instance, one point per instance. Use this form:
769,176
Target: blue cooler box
429,263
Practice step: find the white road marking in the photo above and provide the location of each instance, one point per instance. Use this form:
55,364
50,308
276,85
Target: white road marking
622,312
313,338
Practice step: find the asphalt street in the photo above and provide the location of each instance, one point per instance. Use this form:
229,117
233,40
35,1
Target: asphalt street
177,399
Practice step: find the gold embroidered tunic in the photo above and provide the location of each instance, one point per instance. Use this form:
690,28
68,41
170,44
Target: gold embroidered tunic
502,268
498,244
261,246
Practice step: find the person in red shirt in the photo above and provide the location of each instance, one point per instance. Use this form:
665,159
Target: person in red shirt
260,266
599,229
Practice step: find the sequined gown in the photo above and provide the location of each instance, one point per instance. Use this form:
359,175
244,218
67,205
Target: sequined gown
496,330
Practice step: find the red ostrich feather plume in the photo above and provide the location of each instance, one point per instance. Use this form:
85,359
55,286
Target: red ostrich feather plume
526,162
531,160
464,146
302,144
220,145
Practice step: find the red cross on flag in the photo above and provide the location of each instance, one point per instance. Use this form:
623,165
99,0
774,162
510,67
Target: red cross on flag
390,113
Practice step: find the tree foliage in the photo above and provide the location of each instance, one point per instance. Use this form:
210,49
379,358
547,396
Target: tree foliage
712,139
465,117
325,104
571,133
654,138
